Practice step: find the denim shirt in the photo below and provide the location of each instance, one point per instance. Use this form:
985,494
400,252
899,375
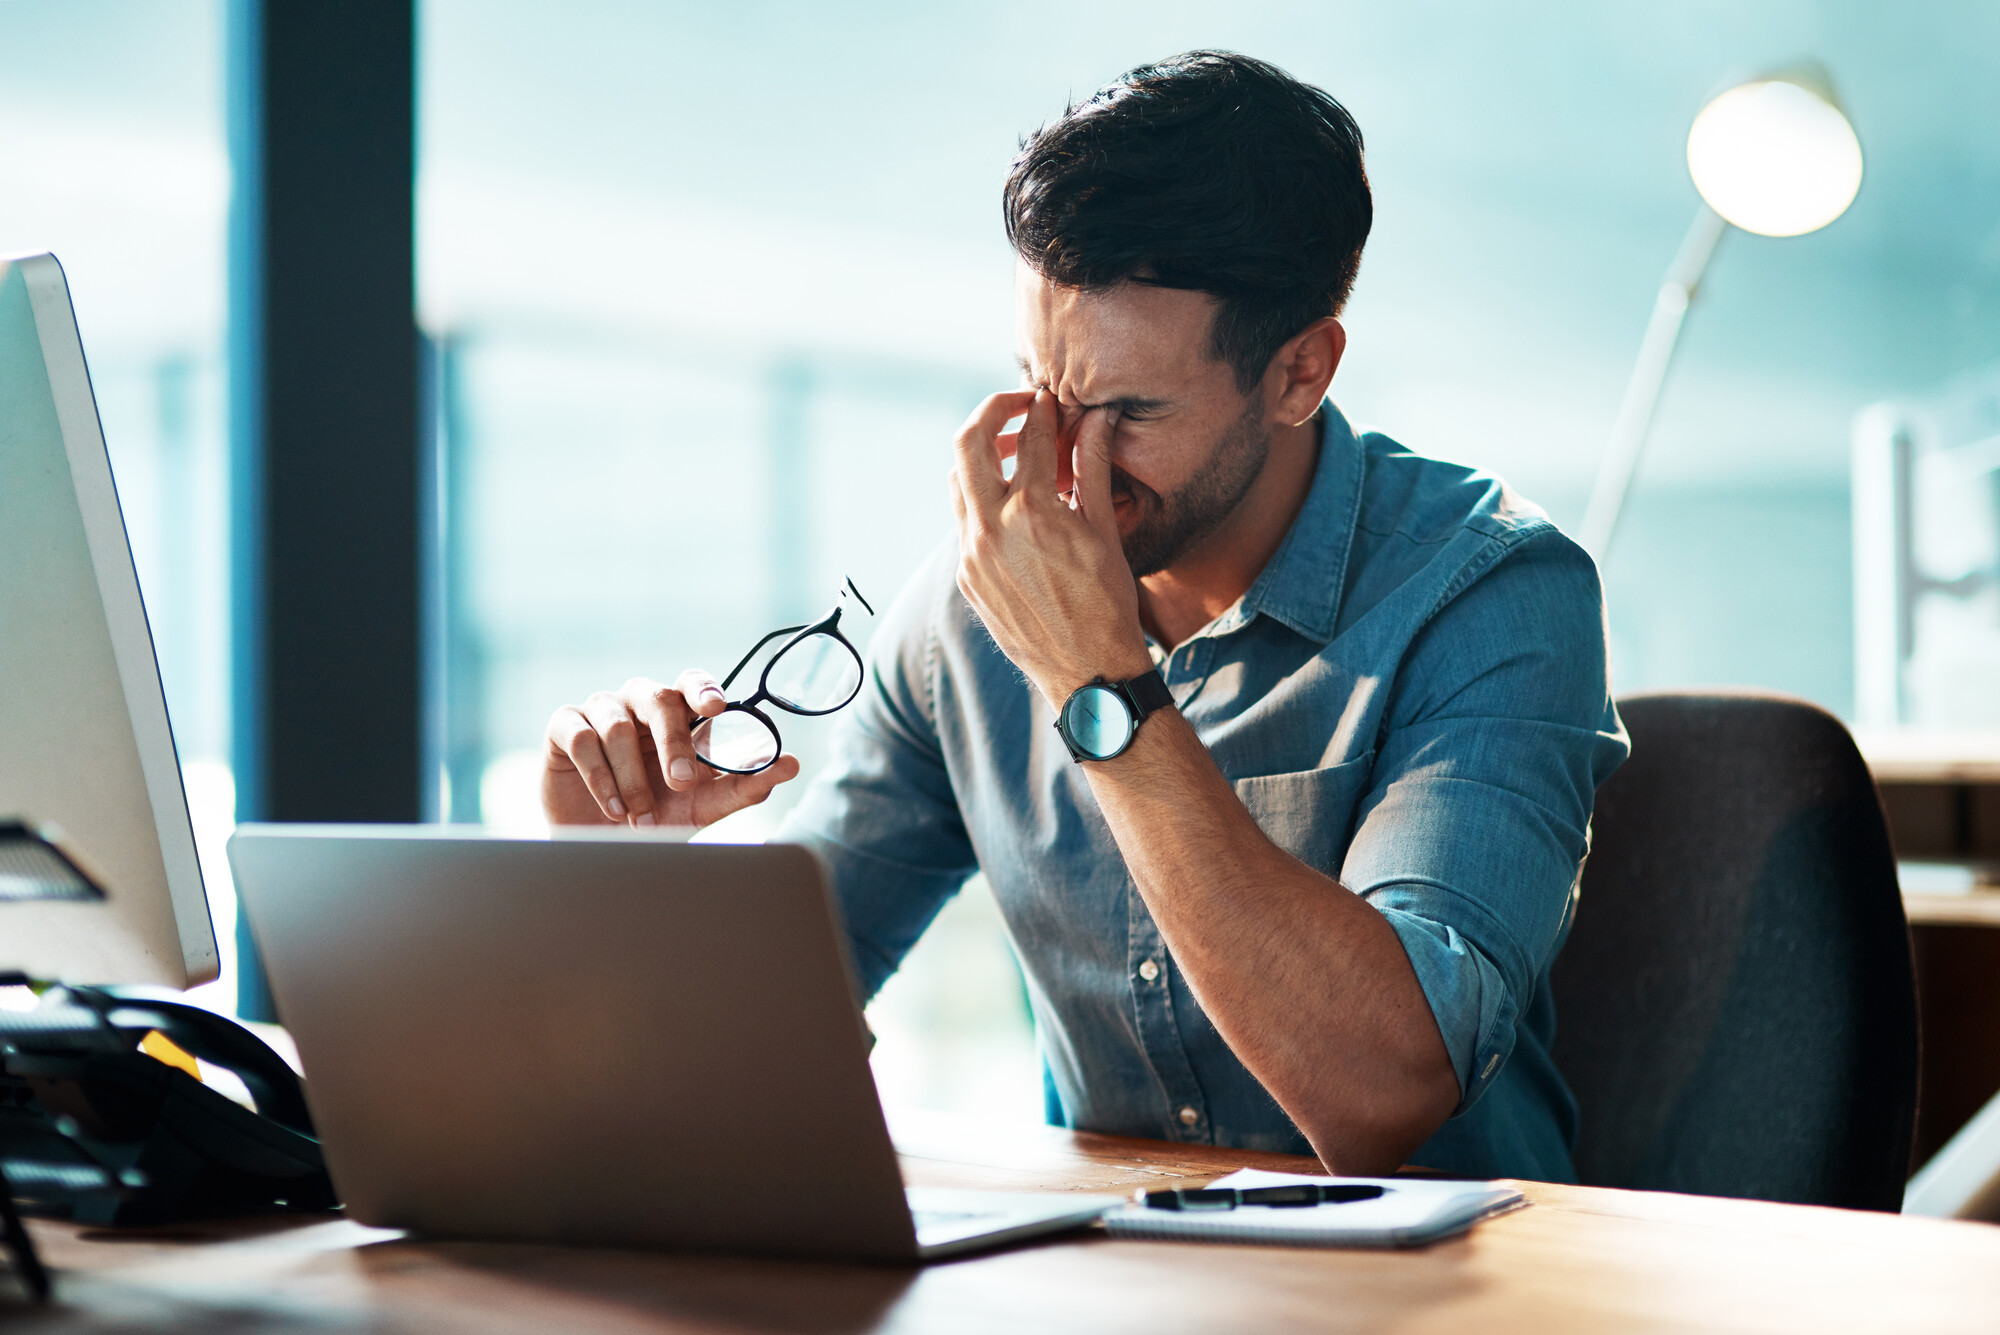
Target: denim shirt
1412,698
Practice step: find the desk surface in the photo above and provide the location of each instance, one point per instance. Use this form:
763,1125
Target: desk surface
1580,1260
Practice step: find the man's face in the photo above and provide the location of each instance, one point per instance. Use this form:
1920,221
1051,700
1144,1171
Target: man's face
1188,444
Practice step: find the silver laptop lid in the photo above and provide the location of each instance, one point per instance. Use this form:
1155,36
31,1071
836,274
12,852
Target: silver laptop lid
610,1040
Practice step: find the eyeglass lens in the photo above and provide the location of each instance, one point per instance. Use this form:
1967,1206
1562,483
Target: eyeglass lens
816,675
737,740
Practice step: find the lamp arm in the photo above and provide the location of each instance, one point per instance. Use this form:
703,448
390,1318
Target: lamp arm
1649,374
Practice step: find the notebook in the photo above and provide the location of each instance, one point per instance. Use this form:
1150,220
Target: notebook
1409,1213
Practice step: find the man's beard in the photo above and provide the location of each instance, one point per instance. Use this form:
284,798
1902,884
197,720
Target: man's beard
1169,527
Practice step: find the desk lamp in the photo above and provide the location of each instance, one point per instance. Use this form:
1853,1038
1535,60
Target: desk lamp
1775,156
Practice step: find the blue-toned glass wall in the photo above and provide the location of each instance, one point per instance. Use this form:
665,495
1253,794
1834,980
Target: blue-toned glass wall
112,157
723,280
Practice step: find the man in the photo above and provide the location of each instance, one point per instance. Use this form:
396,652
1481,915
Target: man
1306,894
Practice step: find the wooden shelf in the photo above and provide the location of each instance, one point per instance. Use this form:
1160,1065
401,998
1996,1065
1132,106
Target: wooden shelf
1978,908
1908,755
1941,794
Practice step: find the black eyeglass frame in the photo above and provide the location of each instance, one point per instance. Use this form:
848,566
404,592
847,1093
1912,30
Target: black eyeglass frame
828,625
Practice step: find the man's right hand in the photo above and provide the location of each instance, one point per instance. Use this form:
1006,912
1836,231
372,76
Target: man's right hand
625,757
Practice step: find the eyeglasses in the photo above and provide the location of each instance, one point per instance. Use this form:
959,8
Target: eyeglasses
816,671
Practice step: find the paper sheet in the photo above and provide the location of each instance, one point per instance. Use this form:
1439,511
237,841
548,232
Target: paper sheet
1410,1212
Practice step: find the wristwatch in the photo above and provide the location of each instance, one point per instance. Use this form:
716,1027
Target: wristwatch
1099,721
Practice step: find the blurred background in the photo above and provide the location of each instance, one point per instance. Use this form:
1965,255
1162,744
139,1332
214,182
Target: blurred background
707,290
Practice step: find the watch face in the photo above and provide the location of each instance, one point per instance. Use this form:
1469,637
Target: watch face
1097,721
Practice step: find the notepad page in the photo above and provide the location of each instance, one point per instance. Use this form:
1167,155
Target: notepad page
1411,1211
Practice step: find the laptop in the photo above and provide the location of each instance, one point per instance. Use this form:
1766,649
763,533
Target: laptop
612,1038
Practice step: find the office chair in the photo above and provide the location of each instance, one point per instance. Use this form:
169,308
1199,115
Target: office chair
1736,1008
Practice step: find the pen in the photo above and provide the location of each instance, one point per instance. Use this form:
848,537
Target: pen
1286,1197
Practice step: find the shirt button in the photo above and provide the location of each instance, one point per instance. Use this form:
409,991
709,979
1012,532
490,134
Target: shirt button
1149,971
1189,1117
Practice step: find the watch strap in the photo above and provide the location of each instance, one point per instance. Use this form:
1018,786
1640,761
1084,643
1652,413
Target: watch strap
1148,692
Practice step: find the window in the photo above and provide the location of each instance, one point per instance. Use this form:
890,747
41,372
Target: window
714,286
113,157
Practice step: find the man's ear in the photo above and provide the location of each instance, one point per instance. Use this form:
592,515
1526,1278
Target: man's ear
1301,370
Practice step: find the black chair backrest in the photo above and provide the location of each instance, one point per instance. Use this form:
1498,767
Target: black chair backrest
1736,1010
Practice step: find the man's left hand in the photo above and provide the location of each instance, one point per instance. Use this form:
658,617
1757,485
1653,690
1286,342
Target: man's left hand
1047,575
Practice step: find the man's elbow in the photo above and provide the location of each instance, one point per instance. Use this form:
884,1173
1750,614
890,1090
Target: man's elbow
1376,1134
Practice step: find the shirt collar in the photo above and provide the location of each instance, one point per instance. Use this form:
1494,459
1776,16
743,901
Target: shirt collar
1300,586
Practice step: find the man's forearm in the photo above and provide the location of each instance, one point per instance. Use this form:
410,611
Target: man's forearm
1310,986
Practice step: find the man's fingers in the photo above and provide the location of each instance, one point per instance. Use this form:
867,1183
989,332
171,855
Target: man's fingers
1037,443
702,692
663,713
632,746
618,736
732,792
1091,464
978,458
573,736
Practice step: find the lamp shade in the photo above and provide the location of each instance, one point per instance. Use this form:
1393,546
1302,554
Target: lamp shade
1775,158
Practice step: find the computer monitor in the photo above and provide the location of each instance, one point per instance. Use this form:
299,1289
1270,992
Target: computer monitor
84,739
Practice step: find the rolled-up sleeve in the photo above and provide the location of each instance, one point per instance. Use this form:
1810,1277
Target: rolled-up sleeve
882,815
1474,830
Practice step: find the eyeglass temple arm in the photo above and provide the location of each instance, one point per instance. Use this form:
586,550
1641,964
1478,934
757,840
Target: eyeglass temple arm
744,662
830,620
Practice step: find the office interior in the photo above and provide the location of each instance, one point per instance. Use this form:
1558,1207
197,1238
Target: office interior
699,296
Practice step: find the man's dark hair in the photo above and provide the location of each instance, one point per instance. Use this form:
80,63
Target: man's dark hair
1210,172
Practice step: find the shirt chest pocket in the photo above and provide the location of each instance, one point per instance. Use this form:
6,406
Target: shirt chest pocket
1309,814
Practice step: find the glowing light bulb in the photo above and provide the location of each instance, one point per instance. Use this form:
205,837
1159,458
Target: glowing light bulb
1774,158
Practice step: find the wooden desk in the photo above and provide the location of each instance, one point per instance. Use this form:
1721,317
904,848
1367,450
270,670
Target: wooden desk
1580,1260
